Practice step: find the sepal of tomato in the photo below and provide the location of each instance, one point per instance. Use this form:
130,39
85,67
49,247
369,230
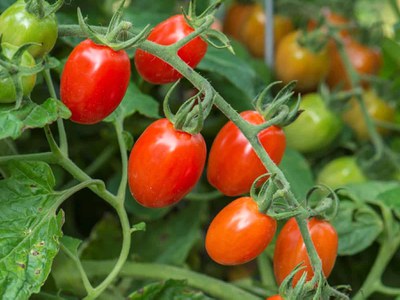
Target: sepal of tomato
157,71
233,165
290,249
239,233
165,164
94,81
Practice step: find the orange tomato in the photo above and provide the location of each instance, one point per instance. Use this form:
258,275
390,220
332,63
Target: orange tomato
333,19
235,17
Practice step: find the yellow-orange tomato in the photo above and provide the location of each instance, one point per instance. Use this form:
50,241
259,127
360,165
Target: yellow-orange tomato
377,108
295,62
235,17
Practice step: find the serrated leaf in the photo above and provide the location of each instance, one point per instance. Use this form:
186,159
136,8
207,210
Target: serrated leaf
135,101
168,290
30,115
30,228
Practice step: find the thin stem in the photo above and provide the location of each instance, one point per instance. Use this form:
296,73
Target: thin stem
266,270
216,288
387,290
45,156
119,127
50,139
207,196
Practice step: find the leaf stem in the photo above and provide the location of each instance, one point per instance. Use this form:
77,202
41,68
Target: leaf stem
119,128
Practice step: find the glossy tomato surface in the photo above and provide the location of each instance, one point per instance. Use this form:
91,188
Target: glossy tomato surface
291,251
165,164
295,62
18,27
274,297
235,18
239,233
155,70
94,81
232,164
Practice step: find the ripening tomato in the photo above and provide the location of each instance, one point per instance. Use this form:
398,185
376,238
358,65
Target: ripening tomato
365,61
18,27
294,62
175,28
232,164
7,88
341,171
334,19
290,250
165,164
378,109
274,297
236,15
239,233
94,81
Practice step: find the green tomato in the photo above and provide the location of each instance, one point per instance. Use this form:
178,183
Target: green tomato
341,171
315,129
18,27
7,88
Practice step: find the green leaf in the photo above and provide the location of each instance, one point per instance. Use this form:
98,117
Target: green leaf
391,199
358,226
168,290
30,115
369,191
298,173
135,101
71,245
169,240
30,228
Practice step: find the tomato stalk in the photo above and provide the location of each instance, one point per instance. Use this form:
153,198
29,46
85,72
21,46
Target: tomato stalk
124,159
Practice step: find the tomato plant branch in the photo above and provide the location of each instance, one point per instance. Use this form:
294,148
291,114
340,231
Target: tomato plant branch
48,157
266,271
214,287
124,160
387,290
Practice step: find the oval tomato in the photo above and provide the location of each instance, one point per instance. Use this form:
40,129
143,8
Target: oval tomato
377,108
232,164
165,164
341,171
7,88
155,70
239,233
291,251
18,27
315,129
94,81
294,62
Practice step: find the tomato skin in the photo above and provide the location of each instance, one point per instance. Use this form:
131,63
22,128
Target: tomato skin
232,164
315,129
165,164
291,251
239,233
94,81
378,109
7,88
294,62
155,70
274,297
235,17
18,27
341,171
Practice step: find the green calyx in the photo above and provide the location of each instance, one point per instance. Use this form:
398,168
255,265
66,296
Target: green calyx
41,9
117,33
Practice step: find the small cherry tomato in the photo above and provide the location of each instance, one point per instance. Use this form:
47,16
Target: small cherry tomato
290,250
7,88
165,164
294,62
341,171
235,17
378,109
233,165
239,233
18,27
155,70
316,128
94,81
274,297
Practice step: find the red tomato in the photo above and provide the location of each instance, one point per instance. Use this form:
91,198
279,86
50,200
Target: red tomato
165,164
291,251
239,233
233,165
274,297
155,70
334,19
94,81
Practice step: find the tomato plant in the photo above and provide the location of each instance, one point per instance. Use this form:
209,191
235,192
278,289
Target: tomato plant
30,28
155,70
316,128
239,233
94,81
7,88
290,250
165,164
233,175
296,62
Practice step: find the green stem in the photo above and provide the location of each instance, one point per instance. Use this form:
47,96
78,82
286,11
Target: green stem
387,290
45,156
216,288
119,128
266,270
207,196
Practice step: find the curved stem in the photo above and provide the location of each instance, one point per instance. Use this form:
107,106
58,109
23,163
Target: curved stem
48,157
124,160
387,290
215,287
